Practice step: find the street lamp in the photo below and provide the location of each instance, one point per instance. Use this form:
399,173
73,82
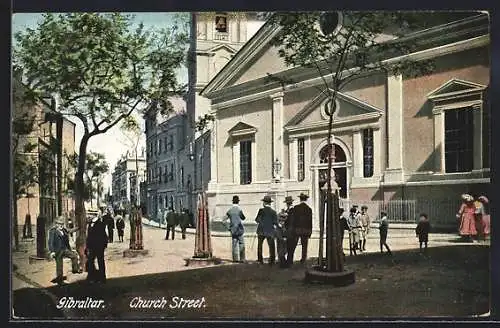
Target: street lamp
276,169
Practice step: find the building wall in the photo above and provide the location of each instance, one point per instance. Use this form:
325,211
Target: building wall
472,66
256,114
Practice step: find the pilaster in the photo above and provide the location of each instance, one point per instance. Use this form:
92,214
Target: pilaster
293,158
357,154
394,172
278,149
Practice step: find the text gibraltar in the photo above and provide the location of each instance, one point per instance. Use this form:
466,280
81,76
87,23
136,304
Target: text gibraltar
87,303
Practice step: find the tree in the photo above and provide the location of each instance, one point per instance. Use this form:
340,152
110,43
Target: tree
25,166
100,70
95,168
343,47
133,137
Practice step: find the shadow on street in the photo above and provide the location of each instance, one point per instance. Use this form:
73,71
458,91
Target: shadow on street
448,281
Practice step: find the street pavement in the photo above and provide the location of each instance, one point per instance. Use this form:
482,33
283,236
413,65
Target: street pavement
169,255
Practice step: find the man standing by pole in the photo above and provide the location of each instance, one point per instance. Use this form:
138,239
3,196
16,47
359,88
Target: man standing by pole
300,227
284,219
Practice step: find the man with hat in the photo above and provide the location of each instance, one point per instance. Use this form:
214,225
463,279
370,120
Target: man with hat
281,231
354,224
365,223
59,249
97,242
267,222
235,216
300,226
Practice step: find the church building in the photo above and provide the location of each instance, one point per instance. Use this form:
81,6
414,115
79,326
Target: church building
405,144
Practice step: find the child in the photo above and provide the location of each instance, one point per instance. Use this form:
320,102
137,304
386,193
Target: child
422,230
383,228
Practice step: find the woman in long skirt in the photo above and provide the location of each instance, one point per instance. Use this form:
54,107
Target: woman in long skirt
484,215
467,217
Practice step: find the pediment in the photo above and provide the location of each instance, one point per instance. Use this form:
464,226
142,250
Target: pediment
241,128
455,87
348,106
247,60
222,47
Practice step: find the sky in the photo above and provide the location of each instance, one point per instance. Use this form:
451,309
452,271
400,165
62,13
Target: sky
114,143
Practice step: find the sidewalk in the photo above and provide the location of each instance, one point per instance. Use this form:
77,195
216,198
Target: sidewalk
168,255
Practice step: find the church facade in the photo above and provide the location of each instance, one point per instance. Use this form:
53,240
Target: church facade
419,141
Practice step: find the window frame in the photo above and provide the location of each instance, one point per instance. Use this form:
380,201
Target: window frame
368,152
244,180
301,156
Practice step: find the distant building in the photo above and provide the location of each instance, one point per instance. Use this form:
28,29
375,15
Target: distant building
124,178
167,179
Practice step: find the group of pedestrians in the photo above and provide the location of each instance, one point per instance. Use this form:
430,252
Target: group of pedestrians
282,231
357,223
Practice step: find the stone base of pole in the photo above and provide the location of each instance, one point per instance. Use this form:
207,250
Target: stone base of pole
34,259
202,261
318,275
135,252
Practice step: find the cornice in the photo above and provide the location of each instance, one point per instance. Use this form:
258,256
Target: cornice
243,93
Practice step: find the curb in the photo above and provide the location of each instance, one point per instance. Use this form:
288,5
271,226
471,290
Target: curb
408,234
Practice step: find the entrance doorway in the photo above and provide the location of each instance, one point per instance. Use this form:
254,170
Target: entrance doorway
340,169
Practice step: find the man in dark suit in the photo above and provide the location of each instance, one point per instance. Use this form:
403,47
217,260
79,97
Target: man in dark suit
110,223
267,220
97,241
59,248
300,227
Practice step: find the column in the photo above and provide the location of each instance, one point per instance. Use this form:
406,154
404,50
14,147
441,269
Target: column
254,160
278,149
394,172
236,163
477,145
127,179
377,152
293,158
213,153
316,198
439,159
243,28
210,26
357,154
307,157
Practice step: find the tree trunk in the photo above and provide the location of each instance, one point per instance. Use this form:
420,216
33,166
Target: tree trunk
334,256
80,213
15,225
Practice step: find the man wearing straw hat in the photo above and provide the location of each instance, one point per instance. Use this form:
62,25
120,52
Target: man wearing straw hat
235,216
300,227
267,220
59,249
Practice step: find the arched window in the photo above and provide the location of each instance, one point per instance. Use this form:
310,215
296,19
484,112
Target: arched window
338,153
